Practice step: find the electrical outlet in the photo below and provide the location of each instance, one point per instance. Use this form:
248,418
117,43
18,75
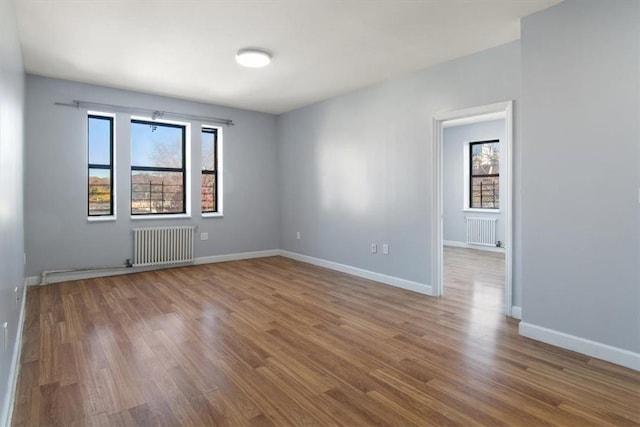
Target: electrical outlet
298,235
385,249
374,248
204,236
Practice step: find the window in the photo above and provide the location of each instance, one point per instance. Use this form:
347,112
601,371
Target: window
209,183
484,175
100,173
158,172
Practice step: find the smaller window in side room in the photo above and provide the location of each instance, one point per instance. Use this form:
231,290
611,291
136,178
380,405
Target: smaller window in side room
209,187
158,171
484,175
100,162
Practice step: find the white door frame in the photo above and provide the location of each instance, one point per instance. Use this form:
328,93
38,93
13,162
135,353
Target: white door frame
460,117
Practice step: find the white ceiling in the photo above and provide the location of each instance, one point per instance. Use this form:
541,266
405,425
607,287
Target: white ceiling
321,48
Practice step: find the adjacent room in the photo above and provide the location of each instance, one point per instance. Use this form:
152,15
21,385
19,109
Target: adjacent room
474,182
289,213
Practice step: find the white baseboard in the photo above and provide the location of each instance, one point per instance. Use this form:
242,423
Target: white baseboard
476,247
355,271
81,275
32,281
90,274
14,370
595,349
516,312
236,257
378,277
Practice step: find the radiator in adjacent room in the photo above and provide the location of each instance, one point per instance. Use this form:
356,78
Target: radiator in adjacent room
481,231
162,245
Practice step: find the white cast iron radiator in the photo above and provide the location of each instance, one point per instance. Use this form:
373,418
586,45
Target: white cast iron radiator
162,245
481,231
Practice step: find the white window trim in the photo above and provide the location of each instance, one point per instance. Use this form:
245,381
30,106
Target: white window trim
187,171
219,173
480,210
102,218
160,216
114,217
466,179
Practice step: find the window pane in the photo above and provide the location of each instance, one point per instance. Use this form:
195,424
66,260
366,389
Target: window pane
156,145
485,158
157,192
99,192
208,190
208,149
485,193
100,140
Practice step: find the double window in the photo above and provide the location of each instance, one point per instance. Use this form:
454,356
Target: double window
484,174
100,182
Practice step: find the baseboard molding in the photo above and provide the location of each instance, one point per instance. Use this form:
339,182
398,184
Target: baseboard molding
355,271
91,274
236,257
81,275
32,281
595,349
516,312
14,370
476,247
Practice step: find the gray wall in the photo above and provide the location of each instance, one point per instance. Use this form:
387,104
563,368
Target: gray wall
56,176
11,189
580,177
356,169
455,146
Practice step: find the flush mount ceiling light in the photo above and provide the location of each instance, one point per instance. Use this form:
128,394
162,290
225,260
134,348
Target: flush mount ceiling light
253,58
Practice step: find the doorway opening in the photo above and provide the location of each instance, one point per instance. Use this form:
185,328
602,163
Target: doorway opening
478,214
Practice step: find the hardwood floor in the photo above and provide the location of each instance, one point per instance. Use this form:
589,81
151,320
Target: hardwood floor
474,278
273,341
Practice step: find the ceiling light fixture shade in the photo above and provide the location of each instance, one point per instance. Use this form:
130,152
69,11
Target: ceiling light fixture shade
253,58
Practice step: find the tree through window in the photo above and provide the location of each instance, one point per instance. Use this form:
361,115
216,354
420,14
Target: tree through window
157,168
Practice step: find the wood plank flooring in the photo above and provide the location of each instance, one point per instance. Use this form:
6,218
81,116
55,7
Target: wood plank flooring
275,342
474,279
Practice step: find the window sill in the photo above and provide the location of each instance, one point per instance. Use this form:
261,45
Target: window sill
212,215
101,218
160,216
495,211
